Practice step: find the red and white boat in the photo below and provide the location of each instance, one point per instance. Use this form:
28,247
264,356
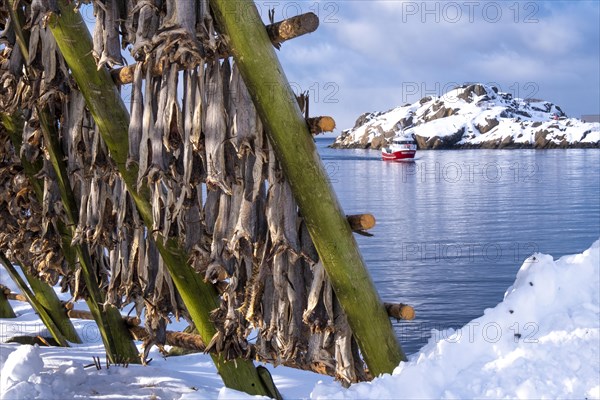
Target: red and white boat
402,148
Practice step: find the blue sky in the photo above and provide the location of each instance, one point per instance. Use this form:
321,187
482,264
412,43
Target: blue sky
375,55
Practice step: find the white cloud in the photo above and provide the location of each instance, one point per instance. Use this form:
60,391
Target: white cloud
378,48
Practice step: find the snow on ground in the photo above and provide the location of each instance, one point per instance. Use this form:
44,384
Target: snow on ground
541,341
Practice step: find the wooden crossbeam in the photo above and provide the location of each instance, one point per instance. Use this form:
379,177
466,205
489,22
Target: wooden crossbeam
394,310
400,311
361,222
322,124
278,32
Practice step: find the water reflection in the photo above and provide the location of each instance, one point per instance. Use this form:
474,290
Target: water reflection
454,226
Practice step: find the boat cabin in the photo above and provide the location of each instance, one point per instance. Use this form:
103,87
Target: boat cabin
403,141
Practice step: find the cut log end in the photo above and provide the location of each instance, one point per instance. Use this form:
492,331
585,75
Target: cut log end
318,125
400,311
361,222
16,296
293,27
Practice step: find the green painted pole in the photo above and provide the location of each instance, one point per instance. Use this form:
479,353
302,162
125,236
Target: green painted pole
43,292
115,335
47,298
112,119
293,144
32,299
6,310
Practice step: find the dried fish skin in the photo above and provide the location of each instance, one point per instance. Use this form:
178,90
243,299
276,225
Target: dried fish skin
281,210
215,129
147,23
245,122
107,46
137,115
156,135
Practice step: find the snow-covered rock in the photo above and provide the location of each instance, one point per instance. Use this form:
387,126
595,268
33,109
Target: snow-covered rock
473,116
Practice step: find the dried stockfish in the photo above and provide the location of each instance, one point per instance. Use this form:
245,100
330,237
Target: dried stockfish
158,154
192,218
148,128
282,211
49,56
176,40
107,48
217,270
316,314
346,369
251,208
190,84
215,184
215,129
144,17
246,124
137,114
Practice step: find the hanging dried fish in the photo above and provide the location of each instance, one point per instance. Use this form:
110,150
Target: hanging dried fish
158,154
215,185
137,114
215,128
218,269
107,48
148,128
147,22
246,124
247,225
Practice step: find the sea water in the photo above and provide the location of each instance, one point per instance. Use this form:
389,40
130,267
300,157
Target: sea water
453,227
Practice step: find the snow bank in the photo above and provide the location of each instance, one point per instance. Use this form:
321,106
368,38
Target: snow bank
541,341
19,371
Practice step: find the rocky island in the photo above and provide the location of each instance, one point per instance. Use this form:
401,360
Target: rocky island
473,116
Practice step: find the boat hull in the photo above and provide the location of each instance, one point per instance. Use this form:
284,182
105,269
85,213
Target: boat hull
398,155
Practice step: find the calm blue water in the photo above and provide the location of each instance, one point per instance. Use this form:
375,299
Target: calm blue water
454,227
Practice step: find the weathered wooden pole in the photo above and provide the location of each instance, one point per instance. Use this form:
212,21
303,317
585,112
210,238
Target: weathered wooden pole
6,310
115,335
295,149
47,298
112,119
42,291
35,304
117,340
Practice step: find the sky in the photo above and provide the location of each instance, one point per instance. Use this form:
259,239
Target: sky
376,55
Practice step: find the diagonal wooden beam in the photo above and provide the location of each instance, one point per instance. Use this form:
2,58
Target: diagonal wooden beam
117,340
270,90
6,310
43,292
112,119
32,299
